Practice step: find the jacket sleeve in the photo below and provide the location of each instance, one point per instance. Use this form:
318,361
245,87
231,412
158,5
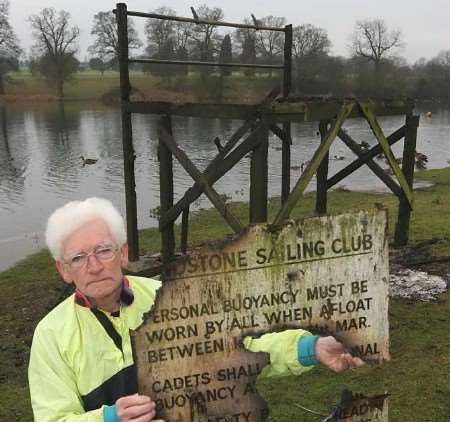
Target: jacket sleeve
53,390
283,348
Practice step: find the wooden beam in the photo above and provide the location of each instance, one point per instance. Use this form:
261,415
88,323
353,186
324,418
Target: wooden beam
378,132
368,155
408,163
187,164
259,178
384,177
204,21
184,230
166,191
301,110
214,64
212,174
313,165
127,136
225,111
287,74
286,162
281,133
322,173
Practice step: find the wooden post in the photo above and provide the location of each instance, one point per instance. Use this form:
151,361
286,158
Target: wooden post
127,135
258,179
286,147
408,162
184,230
166,192
322,173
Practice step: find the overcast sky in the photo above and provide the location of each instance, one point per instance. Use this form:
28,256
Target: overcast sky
425,23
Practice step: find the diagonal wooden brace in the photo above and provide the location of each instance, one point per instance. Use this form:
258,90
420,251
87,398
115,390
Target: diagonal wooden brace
367,155
313,165
189,166
219,160
378,132
212,174
388,181
285,137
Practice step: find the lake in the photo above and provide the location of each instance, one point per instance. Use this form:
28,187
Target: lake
41,169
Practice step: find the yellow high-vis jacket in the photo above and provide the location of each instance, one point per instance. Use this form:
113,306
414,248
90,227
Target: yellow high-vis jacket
75,368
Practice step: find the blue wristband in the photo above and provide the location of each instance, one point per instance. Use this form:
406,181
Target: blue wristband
110,414
306,350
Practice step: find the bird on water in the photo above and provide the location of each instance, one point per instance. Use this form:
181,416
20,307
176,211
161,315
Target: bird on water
88,160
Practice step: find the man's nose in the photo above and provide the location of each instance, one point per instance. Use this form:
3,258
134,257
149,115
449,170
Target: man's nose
93,263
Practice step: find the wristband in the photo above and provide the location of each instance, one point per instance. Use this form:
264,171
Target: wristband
110,414
306,350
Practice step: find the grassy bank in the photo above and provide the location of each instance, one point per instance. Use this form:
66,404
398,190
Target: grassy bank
92,85
417,377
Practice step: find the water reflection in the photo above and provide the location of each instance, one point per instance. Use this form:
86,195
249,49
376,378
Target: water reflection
40,165
13,162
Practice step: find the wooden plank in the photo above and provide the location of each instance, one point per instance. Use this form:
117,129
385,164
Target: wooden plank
368,155
278,112
205,21
212,195
311,168
378,132
184,230
166,192
287,74
408,162
322,173
259,178
127,137
199,63
286,163
212,175
384,177
223,111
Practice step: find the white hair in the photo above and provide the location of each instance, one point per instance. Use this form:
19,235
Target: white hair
70,217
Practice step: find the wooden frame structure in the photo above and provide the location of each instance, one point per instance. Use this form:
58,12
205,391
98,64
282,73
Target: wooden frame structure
274,114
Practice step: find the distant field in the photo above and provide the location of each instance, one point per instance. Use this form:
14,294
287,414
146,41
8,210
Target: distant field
92,85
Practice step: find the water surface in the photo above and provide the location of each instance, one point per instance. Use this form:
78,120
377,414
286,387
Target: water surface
41,169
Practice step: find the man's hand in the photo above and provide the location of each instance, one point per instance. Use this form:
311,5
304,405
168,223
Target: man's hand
332,354
136,408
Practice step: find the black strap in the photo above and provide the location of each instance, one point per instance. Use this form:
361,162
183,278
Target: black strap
109,327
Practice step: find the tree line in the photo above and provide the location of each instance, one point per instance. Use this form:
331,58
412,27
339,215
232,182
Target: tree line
373,68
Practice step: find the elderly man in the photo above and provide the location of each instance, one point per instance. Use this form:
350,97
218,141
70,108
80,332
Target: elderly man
81,363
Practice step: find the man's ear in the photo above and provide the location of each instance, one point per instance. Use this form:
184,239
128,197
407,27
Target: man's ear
64,272
124,255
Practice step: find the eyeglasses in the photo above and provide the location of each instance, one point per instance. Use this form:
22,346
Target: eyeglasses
101,252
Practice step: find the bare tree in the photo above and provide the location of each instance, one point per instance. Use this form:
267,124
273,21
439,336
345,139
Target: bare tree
245,40
309,40
270,43
205,38
310,48
56,43
159,31
373,41
106,44
9,45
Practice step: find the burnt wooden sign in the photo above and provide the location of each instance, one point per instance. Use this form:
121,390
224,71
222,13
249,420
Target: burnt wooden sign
325,274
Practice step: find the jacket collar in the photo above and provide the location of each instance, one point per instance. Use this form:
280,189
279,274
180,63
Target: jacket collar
126,296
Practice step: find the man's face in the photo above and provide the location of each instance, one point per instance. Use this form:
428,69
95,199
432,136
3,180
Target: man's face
98,279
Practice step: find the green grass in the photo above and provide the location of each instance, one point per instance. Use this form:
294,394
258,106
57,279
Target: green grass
91,85
417,377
